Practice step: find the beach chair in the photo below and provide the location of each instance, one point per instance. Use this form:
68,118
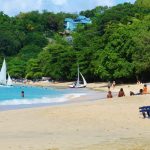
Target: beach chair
145,110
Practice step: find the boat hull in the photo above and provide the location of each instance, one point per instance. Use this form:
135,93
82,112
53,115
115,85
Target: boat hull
80,86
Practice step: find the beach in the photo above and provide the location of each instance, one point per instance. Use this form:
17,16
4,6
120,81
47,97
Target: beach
108,124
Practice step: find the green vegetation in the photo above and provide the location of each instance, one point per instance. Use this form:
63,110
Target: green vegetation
116,46
143,3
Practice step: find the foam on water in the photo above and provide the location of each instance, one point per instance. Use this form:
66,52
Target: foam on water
43,100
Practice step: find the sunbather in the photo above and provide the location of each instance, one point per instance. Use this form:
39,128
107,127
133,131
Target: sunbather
109,95
139,93
121,93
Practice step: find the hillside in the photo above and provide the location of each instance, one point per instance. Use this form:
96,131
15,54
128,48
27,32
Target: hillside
114,47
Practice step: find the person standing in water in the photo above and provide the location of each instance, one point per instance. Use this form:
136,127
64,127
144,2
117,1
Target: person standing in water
22,94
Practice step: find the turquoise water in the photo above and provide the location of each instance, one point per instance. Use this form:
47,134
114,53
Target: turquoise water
34,95
10,97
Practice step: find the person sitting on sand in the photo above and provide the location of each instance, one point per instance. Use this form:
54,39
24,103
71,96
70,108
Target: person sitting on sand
145,91
139,93
109,95
121,93
131,93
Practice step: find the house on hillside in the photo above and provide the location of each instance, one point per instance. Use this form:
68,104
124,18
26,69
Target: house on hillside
82,20
71,24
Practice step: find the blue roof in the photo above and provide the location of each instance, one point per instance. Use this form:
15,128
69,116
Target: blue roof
69,20
81,17
71,23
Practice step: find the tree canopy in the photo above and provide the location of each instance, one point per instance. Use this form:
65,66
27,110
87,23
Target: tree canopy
116,46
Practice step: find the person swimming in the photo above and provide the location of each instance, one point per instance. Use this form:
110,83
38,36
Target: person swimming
22,93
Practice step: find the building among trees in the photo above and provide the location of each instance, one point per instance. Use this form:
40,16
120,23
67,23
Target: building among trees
71,24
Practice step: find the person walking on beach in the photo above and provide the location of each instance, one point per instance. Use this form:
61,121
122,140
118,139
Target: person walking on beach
113,84
109,95
22,94
121,93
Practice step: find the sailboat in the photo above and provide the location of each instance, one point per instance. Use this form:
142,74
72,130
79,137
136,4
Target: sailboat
9,81
3,74
77,83
3,80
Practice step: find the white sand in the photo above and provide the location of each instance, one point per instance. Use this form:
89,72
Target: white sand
112,124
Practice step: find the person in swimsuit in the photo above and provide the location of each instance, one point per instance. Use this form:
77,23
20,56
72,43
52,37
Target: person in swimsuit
121,93
109,95
22,93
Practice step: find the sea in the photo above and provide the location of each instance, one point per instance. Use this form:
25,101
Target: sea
11,97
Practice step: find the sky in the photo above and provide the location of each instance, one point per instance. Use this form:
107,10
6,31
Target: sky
14,7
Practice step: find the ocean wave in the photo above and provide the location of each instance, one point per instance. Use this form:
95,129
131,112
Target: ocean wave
43,100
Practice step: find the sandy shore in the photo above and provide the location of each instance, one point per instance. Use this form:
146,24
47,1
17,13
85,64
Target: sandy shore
113,124
101,86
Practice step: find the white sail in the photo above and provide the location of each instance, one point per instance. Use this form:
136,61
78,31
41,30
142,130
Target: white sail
77,84
84,81
9,81
3,74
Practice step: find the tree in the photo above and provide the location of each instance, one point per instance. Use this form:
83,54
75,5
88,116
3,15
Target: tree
16,67
29,51
33,71
143,3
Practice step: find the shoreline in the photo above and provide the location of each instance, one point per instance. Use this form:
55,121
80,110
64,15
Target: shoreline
96,90
97,86
68,98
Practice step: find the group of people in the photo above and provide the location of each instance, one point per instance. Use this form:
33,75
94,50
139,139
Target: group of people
121,93
141,91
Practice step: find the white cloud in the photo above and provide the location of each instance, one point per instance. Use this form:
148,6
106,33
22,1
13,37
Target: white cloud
59,2
13,7
105,2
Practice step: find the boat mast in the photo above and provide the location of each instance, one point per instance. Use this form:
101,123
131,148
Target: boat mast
78,80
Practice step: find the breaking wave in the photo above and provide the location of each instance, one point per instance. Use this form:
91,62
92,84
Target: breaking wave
43,100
